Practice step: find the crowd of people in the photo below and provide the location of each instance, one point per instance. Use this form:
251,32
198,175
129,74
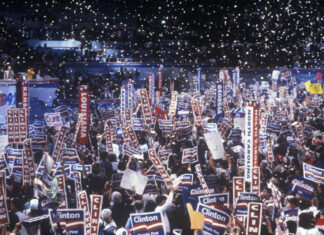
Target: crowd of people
276,175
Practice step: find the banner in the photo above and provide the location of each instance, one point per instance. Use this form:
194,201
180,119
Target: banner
199,80
126,138
123,102
196,112
263,123
213,200
238,187
291,215
236,79
25,98
190,155
79,147
151,81
215,221
130,97
83,204
77,182
16,125
59,144
248,142
26,179
219,100
255,182
215,144
158,165
209,127
133,138
109,136
96,204
53,120
146,109
254,218
30,158
147,223
173,104
269,150
151,185
256,142
313,173
184,180
70,219
160,81
84,101
70,156
201,179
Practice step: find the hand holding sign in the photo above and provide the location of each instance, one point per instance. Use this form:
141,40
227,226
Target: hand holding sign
196,218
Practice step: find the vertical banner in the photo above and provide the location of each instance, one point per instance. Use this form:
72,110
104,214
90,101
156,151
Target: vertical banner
219,101
199,80
146,109
236,79
160,80
269,150
30,158
173,104
122,103
196,112
126,138
151,81
255,184
128,117
226,110
109,142
300,133
25,98
171,86
77,128
202,179
130,96
263,123
84,204
26,179
4,216
61,189
16,125
84,101
248,142
158,165
256,127
59,144
254,218
238,187
96,204
133,138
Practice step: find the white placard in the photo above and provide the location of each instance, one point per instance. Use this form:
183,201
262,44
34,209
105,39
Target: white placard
133,179
215,144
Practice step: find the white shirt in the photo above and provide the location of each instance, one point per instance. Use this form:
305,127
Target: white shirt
163,209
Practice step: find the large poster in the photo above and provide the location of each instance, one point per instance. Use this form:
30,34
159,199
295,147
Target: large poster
7,99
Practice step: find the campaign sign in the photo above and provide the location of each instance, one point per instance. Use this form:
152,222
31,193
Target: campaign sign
147,223
184,180
313,173
78,167
4,216
150,185
116,179
243,200
72,220
138,124
164,154
190,155
219,101
132,152
213,199
302,186
210,127
215,221
254,218
291,214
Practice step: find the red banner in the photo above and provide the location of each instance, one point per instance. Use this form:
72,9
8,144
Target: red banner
109,138
83,204
128,118
133,138
59,144
96,204
16,125
61,189
158,165
146,109
173,104
254,218
126,138
255,184
84,110
300,133
269,150
226,110
238,187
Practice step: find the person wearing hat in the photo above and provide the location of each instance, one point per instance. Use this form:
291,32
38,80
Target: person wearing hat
108,225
